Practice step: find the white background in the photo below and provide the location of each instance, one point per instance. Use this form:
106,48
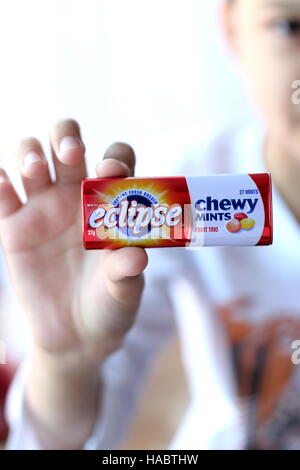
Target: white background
154,73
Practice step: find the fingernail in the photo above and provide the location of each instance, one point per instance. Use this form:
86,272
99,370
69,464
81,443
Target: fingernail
69,143
30,158
3,179
113,160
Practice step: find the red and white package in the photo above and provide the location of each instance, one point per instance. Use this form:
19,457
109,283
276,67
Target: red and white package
217,210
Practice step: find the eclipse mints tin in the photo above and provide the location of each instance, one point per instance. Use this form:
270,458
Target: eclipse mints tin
217,210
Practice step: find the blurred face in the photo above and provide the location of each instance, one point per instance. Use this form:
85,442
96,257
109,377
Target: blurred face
265,35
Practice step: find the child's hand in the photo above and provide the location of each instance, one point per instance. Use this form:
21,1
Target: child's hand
79,303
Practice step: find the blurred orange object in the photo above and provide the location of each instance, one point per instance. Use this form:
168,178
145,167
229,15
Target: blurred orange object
6,374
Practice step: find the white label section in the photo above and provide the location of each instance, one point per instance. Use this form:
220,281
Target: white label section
227,210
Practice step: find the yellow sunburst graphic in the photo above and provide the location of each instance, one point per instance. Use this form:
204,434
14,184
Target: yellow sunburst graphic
111,191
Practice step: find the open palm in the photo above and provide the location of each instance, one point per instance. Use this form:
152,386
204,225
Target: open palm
76,300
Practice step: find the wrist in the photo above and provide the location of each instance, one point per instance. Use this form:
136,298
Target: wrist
62,399
66,364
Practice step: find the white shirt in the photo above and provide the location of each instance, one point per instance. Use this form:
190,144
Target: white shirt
255,289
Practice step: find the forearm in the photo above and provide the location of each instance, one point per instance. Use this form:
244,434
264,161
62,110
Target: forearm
62,400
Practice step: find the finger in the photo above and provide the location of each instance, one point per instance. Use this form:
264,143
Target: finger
123,153
68,151
9,199
125,262
122,271
110,167
33,166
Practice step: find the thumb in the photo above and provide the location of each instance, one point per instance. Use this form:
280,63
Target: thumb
116,288
122,271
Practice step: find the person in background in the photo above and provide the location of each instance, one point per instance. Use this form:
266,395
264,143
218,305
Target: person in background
236,309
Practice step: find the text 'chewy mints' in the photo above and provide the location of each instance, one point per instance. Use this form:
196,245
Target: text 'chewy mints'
218,210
